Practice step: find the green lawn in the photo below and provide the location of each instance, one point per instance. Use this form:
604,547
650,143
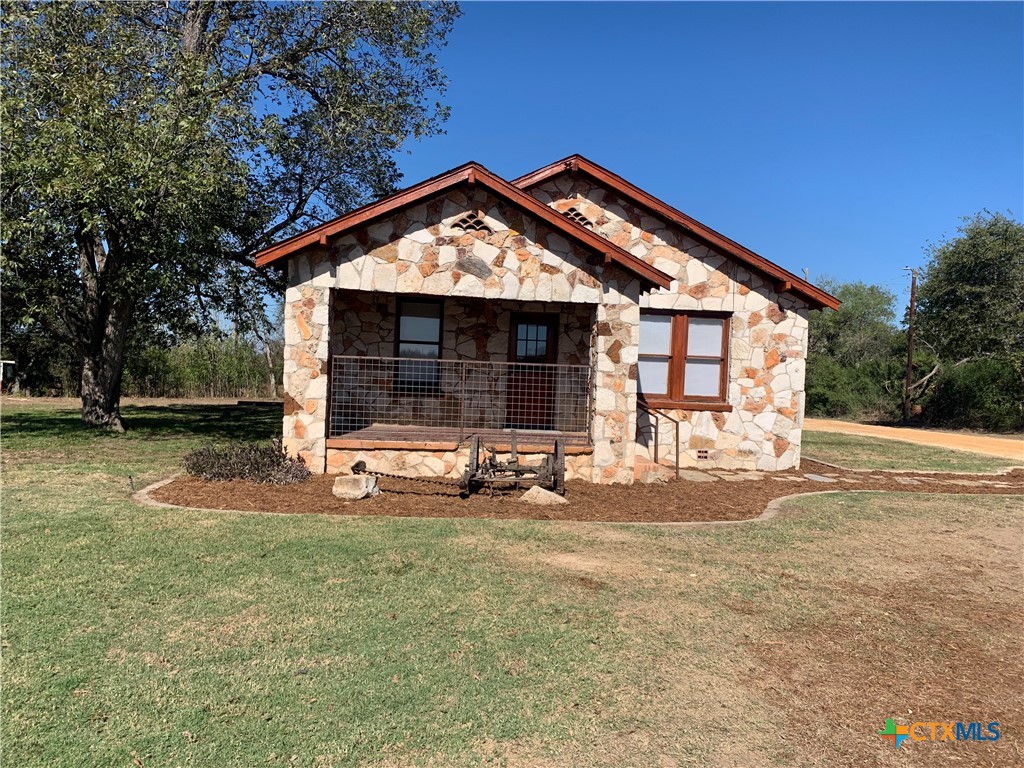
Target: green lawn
196,639
858,452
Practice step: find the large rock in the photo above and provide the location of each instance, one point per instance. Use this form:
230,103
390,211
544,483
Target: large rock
537,495
355,486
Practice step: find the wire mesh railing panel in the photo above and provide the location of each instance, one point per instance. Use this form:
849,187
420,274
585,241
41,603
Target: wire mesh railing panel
385,395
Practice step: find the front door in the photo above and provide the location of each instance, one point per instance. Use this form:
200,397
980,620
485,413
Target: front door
532,380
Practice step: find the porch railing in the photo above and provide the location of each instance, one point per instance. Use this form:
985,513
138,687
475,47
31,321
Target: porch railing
653,427
388,398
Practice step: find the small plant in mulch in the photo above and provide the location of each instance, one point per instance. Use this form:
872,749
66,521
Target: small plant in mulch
256,462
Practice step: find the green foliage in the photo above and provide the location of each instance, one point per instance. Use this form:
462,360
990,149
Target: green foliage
867,391
211,366
150,149
862,329
971,314
258,462
981,394
971,294
853,365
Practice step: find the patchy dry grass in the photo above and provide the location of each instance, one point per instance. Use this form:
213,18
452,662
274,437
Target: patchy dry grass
185,638
857,452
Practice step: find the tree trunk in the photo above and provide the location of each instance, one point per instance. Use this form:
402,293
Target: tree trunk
106,314
102,367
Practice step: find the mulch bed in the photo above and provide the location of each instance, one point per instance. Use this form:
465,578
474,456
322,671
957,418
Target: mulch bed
671,502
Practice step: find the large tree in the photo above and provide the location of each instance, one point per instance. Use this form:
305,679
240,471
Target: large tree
971,295
150,149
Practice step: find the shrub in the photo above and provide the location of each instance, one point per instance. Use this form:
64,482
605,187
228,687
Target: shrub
982,394
257,462
853,392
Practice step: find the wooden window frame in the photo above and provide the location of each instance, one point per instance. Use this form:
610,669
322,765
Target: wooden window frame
678,357
552,320
398,324
416,386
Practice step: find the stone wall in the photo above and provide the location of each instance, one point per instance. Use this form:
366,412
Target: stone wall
445,464
350,287
422,251
768,335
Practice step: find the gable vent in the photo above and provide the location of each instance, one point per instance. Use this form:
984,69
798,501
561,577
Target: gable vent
574,214
471,222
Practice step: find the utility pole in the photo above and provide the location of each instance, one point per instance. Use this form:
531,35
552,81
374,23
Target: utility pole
910,343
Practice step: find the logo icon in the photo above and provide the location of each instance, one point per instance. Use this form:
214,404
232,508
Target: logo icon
895,733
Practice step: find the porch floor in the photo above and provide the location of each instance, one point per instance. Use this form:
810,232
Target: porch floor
392,433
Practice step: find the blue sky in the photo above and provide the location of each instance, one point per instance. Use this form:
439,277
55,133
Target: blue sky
837,137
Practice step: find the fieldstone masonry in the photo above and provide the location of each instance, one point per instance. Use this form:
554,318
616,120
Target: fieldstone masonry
768,335
341,300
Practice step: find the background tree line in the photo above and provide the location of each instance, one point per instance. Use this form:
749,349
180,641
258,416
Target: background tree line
969,350
213,363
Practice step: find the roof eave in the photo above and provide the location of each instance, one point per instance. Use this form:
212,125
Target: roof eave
814,296
470,173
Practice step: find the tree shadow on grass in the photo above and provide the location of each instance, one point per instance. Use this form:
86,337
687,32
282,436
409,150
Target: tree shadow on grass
202,420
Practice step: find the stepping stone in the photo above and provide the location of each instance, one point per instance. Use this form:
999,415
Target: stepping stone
819,478
788,479
907,481
696,477
967,483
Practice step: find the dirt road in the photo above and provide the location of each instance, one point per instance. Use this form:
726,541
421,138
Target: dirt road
1011,447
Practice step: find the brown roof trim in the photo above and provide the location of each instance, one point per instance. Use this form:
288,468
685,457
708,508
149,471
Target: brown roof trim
785,281
470,174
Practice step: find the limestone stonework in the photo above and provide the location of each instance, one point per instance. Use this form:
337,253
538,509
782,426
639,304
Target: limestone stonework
517,263
767,335
342,301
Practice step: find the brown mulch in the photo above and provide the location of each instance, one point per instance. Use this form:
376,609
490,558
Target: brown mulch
671,502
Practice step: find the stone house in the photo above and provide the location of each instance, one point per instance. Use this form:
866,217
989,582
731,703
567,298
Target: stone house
565,303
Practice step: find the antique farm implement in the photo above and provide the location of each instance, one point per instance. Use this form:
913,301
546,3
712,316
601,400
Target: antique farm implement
486,470
490,472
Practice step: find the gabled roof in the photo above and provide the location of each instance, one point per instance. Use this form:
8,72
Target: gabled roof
470,174
785,281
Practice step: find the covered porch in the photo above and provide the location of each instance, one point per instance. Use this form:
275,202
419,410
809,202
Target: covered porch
422,372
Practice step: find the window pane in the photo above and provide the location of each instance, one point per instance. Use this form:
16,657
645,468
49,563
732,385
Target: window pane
705,336
424,351
416,373
655,334
653,375
702,377
420,321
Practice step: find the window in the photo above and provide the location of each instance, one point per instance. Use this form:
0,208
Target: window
419,345
683,357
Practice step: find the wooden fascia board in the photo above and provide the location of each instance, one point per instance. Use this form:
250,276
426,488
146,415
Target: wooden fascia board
319,235
816,297
471,174
567,226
